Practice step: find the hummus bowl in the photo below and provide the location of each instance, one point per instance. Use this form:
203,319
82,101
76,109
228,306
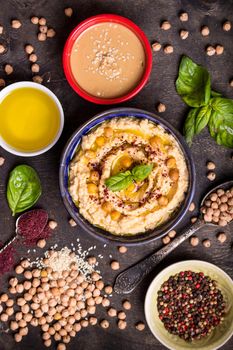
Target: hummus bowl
126,175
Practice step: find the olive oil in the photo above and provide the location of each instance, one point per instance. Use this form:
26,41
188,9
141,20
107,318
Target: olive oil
29,119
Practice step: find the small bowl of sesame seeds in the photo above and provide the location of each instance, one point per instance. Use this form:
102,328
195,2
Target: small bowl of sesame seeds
107,59
189,305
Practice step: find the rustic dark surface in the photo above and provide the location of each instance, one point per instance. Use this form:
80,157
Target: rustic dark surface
148,14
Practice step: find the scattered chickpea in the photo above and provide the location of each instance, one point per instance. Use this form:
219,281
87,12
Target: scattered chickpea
230,82
210,50
4,317
41,243
156,46
35,20
2,49
1,29
211,175
93,321
72,223
14,325
25,264
226,26
61,346
194,241
112,312
122,324
166,240
206,243
35,68
221,236
29,49
140,326
210,165
51,33
121,315
68,11
37,79
43,29
42,21
219,49
47,343
41,36
205,31
168,49
172,234
104,324
165,25
122,249
161,107
193,219
126,305
184,17
4,298
8,69
32,57
52,224
18,338
184,34
108,289
115,265
16,24
2,160
105,302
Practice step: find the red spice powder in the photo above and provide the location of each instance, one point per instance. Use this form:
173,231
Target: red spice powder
7,258
32,226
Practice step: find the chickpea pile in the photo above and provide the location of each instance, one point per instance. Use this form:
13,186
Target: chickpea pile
61,304
218,207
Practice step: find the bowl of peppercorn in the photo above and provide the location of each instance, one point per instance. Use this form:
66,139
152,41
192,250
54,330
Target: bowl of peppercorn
189,305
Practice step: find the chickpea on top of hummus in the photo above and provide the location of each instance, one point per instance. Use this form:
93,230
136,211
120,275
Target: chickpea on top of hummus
129,176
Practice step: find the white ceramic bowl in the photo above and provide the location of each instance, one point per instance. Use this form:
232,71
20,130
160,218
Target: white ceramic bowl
28,84
222,332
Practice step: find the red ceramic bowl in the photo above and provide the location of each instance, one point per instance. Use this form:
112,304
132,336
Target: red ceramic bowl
93,21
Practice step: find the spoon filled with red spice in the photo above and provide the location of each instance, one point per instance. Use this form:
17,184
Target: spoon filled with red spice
216,210
30,227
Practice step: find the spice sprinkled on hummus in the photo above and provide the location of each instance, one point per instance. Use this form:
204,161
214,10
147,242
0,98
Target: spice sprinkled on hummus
129,176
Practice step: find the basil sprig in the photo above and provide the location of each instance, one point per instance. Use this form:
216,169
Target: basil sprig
210,109
23,188
122,180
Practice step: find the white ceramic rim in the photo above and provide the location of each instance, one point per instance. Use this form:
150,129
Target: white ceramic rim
185,264
37,86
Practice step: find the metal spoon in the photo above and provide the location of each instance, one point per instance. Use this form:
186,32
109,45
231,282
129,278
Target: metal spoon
17,231
128,280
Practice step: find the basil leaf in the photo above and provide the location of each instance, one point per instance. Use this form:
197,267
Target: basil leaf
119,181
140,172
221,121
23,188
189,126
193,83
202,119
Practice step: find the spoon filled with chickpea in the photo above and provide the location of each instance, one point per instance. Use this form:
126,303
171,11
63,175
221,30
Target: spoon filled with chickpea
216,210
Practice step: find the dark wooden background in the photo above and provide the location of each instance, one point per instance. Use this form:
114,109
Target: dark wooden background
148,14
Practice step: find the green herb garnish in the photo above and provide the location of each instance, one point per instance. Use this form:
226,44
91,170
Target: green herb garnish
210,109
23,188
122,180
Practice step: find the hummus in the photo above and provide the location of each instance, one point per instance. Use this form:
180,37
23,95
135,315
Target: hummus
116,146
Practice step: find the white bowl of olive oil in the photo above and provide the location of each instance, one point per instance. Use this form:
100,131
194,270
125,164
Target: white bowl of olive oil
31,119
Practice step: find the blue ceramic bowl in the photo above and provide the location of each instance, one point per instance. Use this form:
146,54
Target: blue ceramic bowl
70,150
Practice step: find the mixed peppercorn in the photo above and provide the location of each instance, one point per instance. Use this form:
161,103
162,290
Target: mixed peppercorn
190,305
